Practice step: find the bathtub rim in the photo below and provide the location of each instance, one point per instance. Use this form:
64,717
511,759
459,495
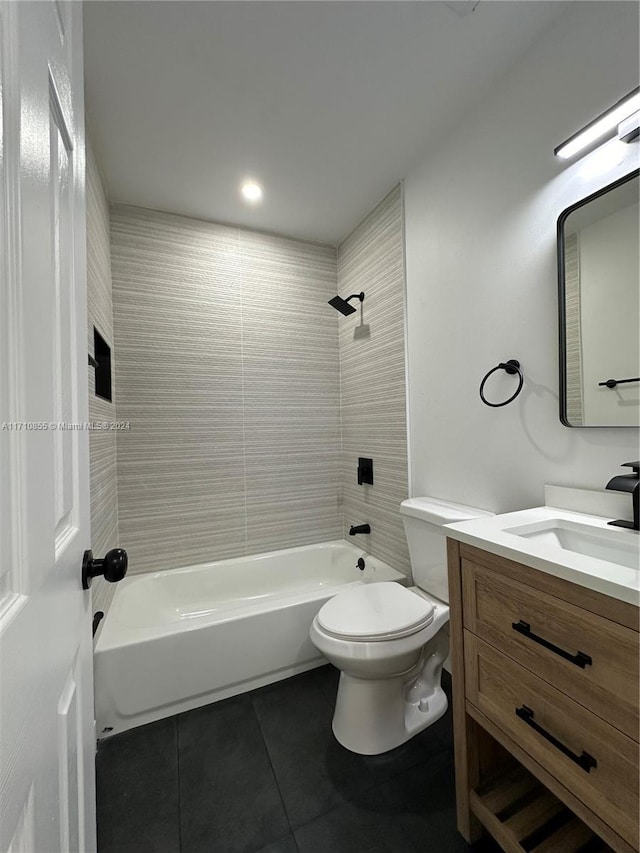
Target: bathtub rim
114,634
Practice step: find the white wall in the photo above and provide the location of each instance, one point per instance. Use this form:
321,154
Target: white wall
481,217
609,291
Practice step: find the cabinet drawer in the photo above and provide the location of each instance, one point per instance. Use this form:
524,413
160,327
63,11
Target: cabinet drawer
596,762
591,659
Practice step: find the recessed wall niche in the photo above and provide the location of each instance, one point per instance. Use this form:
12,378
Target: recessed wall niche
102,355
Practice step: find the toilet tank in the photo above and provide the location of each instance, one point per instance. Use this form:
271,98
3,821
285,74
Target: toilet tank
423,520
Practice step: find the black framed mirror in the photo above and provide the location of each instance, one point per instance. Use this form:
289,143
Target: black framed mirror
599,307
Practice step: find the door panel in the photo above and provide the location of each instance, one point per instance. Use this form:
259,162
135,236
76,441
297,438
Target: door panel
61,186
9,446
70,764
23,837
46,707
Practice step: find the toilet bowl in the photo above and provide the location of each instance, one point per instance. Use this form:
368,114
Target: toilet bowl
387,693
390,642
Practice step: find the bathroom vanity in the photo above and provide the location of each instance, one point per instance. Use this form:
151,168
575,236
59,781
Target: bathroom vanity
544,644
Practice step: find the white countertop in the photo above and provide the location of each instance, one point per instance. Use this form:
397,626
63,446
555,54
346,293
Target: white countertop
491,534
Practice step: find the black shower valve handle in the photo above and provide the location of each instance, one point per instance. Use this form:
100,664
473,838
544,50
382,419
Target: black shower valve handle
365,471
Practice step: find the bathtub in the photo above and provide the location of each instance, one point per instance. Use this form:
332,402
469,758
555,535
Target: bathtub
178,639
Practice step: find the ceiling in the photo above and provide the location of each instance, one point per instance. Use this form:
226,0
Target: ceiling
326,104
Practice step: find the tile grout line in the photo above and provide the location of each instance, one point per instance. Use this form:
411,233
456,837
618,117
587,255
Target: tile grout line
273,770
346,801
340,412
242,383
375,787
377,784
375,790
179,787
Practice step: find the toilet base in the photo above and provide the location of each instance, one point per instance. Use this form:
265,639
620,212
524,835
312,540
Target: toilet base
375,715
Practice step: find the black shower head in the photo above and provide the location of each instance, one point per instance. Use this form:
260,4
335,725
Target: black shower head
343,306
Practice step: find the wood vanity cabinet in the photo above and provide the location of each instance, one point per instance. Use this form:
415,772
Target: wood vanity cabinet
545,708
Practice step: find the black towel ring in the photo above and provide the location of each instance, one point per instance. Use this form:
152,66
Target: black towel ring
512,367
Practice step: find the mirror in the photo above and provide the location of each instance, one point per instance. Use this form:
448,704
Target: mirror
599,308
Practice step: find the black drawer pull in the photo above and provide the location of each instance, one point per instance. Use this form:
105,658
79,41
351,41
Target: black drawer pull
586,761
579,659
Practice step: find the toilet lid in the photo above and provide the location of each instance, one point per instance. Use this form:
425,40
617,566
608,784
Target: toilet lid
377,611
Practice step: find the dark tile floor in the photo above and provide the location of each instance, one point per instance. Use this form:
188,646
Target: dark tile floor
262,773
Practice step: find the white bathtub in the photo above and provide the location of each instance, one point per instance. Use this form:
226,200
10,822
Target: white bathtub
178,639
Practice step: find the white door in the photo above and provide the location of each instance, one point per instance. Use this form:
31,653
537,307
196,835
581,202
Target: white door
46,706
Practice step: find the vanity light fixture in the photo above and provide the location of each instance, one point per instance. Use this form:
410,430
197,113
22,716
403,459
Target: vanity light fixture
602,128
629,129
251,192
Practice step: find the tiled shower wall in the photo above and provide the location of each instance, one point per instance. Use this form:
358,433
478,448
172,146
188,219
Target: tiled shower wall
228,373
372,370
102,444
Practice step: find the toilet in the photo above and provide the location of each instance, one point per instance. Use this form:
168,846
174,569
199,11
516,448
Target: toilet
390,642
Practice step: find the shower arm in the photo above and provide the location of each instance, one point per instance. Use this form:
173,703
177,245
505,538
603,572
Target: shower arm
343,306
359,296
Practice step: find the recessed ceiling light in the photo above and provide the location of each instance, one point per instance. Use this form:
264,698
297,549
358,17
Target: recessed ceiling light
251,191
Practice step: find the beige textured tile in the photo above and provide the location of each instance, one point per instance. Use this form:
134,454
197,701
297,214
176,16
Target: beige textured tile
290,341
372,370
228,361
249,398
178,334
292,393
102,445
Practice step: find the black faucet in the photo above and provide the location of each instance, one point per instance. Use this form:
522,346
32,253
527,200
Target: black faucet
628,483
359,528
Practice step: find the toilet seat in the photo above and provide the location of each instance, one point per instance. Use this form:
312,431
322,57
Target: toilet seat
375,612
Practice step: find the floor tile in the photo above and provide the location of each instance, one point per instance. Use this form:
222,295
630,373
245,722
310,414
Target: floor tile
137,791
436,738
328,677
314,772
214,767
285,845
423,802
228,793
360,826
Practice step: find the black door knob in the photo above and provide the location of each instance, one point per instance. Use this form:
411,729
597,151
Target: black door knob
113,567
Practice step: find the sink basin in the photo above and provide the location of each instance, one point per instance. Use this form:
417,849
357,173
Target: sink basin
575,544
582,539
